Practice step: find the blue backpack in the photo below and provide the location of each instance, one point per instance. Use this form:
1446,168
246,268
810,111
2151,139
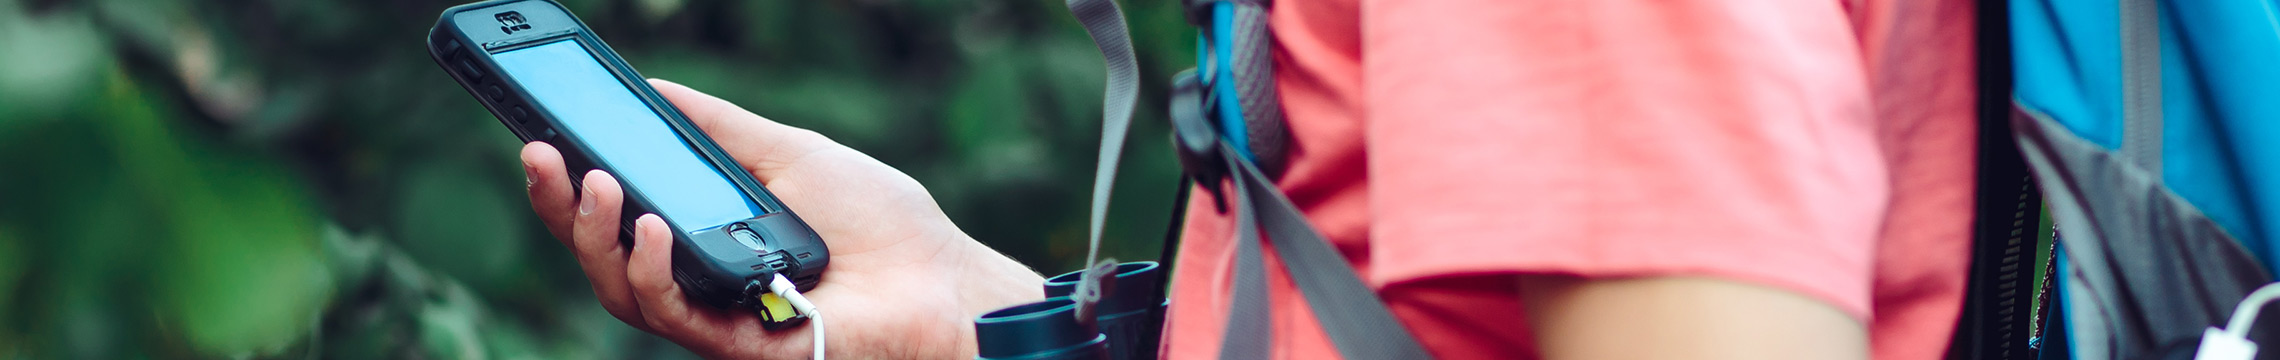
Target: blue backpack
2153,130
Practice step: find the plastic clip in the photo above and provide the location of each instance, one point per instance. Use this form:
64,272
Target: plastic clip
1195,137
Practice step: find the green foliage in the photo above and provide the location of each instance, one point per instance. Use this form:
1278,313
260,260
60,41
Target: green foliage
237,225
296,178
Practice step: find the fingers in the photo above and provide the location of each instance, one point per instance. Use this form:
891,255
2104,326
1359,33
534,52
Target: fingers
649,272
761,145
595,242
550,190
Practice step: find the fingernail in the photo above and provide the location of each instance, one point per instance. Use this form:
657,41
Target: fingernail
639,227
530,177
586,201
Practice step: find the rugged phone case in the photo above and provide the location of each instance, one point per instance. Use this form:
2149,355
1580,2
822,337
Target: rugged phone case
711,265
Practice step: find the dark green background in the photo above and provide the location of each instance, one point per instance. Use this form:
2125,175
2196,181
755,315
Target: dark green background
296,179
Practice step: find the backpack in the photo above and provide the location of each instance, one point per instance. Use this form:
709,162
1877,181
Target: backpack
1227,127
2150,128
2155,182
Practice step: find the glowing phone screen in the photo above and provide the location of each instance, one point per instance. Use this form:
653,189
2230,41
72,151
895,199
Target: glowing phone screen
641,150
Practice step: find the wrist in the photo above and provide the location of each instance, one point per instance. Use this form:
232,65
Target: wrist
990,280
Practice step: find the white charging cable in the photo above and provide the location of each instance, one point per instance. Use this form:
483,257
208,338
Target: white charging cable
2231,342
784,288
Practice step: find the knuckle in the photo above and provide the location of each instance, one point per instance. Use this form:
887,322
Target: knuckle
660,326
582,227
595,247
652,287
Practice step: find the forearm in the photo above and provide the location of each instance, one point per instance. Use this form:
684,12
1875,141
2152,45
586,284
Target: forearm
1683,317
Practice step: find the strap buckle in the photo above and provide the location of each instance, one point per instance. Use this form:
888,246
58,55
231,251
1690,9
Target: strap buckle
1195,138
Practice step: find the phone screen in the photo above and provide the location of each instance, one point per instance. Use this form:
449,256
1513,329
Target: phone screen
620,129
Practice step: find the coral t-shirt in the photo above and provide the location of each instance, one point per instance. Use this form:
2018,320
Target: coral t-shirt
1819,147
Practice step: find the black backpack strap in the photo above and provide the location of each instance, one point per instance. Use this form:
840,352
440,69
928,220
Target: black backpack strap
1998,295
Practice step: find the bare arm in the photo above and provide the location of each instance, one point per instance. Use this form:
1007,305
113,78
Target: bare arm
1679,317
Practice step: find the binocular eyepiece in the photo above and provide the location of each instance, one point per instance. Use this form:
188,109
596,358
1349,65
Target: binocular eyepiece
1129,324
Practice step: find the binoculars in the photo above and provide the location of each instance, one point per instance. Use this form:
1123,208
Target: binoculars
1129,323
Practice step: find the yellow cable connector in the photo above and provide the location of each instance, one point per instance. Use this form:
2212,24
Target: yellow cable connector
775,308
783,295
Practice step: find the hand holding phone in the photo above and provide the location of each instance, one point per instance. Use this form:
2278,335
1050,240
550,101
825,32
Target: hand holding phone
653,205
904,281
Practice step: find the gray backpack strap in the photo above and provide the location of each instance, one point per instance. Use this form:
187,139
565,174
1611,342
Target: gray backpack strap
1356,320
2141,83
1105,22
1250,319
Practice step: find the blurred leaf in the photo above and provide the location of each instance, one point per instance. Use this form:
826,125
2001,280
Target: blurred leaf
145,24
1073,71
1162,37
853,111
250,277
655,10
320,20
48,63
90,326
109,231
459,225
352,258
243,272
217,80
447,326
988,124
769,23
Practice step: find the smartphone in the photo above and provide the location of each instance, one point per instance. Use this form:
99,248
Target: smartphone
547,77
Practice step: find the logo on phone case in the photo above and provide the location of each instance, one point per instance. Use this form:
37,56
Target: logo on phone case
512,21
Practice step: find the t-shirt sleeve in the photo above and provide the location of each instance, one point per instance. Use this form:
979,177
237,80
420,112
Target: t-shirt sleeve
1719,138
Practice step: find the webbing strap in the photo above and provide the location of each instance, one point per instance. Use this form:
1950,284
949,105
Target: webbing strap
2141,83
1357,322
1249,333
1105,22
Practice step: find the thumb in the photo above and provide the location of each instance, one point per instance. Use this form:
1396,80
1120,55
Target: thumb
763,146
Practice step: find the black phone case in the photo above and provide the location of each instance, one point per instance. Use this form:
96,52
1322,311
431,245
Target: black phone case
710,265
